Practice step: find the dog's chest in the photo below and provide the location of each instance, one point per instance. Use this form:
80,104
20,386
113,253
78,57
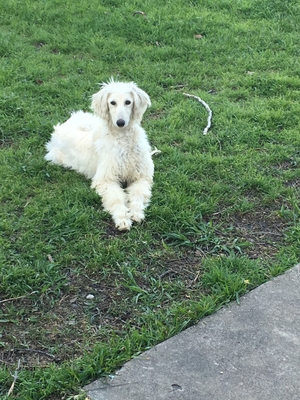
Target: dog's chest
129,161
122,157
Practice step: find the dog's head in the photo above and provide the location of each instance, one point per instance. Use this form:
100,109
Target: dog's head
120,103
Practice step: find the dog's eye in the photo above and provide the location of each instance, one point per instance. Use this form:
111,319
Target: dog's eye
127,102
113,103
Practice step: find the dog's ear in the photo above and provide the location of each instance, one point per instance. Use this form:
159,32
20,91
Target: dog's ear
141,102
99,103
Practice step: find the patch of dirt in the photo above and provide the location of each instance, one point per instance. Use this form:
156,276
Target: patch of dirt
5,143
187,269
294,183
263,229
44,333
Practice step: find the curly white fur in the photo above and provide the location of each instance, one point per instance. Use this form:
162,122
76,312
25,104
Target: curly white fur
111,148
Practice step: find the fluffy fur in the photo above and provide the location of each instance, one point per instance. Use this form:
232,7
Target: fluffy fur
111,148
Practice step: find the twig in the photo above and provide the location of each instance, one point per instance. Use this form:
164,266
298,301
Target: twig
165,273
17,298
177,86
6,362
197,276
269,233
35,351
207,108
155,151
50,258
62,299
141,13
138,12
15,376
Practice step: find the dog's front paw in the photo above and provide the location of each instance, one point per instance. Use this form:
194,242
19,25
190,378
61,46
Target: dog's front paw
123,224
137,215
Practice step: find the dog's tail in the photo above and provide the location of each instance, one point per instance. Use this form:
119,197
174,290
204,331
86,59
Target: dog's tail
53,147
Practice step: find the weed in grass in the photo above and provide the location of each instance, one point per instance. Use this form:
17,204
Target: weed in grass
224,215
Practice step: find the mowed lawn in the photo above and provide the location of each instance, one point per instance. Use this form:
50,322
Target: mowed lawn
77,298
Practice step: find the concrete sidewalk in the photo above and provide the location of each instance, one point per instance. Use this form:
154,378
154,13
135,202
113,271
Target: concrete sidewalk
248,351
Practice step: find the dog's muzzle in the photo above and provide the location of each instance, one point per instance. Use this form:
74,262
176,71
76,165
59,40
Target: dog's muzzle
120,123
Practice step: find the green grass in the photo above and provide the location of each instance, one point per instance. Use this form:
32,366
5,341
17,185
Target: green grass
224,215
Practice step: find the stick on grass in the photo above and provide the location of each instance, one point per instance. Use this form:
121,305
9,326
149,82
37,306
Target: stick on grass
17,298
207,108
15,376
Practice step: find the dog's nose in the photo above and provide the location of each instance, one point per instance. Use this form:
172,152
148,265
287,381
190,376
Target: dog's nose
120,123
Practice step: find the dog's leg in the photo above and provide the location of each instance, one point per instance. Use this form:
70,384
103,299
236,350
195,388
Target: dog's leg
114,201
139,193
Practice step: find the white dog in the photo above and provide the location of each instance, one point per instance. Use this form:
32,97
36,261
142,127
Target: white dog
111,148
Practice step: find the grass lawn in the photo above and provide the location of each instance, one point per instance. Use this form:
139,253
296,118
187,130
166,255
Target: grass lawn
224,215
